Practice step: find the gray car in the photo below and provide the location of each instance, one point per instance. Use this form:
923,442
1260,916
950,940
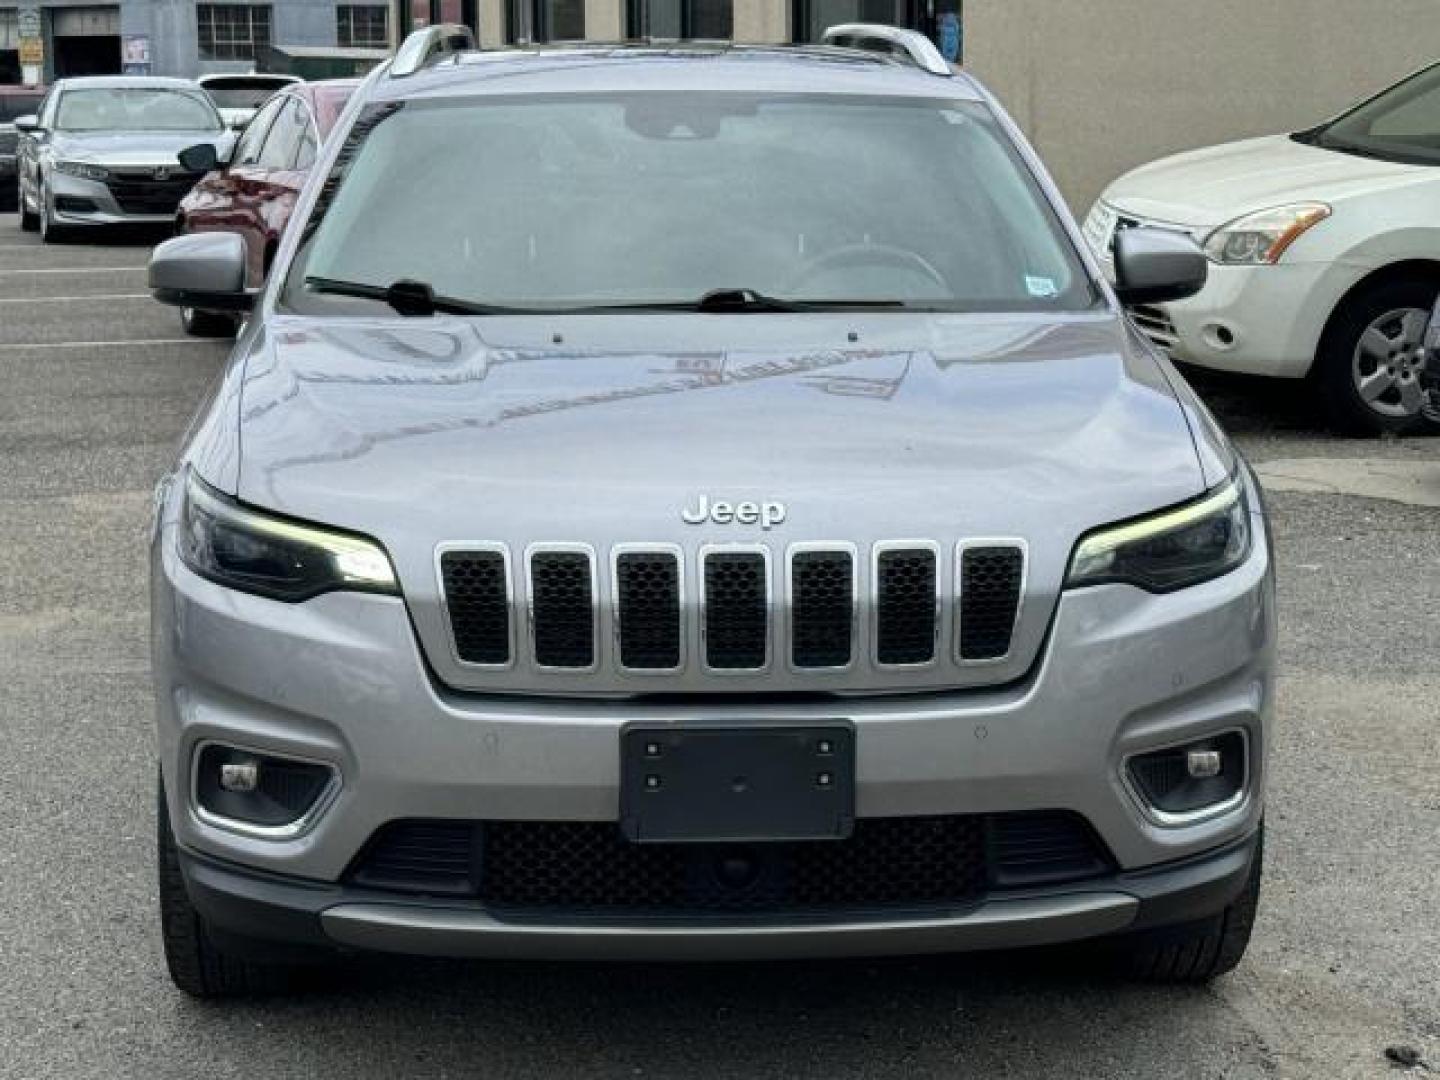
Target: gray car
700,501
104,151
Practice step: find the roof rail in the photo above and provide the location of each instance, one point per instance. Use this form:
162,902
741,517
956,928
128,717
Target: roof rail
909,45
423,47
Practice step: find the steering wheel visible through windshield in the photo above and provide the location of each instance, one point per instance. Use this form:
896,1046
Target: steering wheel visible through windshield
585,202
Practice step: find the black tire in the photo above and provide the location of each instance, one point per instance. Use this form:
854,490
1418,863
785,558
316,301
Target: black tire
28,222
1334,374
50,232
197,964
206,324
1199,951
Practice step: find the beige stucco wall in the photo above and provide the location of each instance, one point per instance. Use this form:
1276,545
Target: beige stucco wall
1104,85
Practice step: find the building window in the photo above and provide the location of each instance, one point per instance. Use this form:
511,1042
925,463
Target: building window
692,19
232,31
362,26
546,20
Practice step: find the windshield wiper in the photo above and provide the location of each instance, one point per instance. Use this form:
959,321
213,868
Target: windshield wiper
413,299
732,300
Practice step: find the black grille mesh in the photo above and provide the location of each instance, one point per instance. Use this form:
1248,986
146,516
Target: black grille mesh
822,620
562,607
737,610
989,598
142,195
905,606
648,587
477,595
578,867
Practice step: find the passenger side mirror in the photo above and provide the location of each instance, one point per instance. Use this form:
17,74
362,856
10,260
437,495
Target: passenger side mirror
200,158
28,124
1154,266
202,270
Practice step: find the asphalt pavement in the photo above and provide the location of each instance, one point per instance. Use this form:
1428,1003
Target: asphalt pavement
97,384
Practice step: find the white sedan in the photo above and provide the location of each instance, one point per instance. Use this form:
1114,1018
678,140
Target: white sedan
1325,247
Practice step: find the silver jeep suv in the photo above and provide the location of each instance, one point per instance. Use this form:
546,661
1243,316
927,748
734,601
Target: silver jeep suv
700,501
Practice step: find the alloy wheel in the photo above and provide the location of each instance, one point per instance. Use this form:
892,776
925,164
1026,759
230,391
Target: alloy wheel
1387,363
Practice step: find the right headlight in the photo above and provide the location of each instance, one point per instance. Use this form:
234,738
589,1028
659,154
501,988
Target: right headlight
83,169
1259,239
270,556
1170,550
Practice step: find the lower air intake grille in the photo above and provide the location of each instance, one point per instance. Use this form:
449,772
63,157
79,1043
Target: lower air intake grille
822,585
905,606
578,867
648,590
737,610
477,592
562,609
990,580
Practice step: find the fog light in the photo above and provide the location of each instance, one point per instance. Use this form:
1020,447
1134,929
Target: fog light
1193,779
265,792
1203,764
241,776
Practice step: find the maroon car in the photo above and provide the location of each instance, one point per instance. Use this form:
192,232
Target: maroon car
254,193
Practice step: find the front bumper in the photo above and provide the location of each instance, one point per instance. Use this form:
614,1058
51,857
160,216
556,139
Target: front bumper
107,211
298,913
340,680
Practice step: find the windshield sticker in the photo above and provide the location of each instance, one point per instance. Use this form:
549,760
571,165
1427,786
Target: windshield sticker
1041,287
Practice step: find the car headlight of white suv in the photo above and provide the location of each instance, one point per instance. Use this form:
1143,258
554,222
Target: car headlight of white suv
1259,239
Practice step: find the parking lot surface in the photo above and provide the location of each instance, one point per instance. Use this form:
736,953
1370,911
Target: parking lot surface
97,384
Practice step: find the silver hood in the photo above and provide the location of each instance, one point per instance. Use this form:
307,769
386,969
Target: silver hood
937,428
127,149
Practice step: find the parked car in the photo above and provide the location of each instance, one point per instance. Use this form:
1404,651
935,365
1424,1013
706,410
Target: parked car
238,97
537,584
253,192
102,151
1325,247
15,102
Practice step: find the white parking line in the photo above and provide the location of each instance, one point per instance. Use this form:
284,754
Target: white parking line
104,344
73,270
71,299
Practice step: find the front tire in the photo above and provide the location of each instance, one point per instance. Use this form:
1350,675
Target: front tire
29,221
1199,951
1370,359
50,231
196,962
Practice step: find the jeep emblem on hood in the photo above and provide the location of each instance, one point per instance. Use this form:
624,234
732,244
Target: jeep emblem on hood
764,514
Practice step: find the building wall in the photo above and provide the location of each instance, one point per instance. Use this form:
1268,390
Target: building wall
1104,85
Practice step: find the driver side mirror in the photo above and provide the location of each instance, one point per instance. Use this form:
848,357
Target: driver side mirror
202,270
200,158
28,124
1154,266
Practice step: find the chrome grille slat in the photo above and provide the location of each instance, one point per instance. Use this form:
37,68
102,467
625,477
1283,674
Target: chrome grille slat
906,586
562,607
822,607
648,586
736,608
990,577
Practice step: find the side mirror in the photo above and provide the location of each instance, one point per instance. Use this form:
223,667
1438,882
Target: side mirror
238,123
202,270
199,158
1154,266
27,124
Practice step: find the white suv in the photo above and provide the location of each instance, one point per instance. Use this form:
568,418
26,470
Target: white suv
1326,252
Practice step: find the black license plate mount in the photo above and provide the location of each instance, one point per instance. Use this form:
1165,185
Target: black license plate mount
737,784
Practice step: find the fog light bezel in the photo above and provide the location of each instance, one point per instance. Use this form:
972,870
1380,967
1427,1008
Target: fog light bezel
1179,819
289,830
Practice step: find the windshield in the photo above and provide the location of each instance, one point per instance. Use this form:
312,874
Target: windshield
566,202
1402,124
242,95
135,109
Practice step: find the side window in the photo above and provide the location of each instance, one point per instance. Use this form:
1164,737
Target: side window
247,152
284,138
305,156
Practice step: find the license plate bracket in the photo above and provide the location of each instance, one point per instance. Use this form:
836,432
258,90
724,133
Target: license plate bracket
737,784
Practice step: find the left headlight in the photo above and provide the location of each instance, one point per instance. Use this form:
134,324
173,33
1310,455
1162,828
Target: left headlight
82,169
1170,550
1260,239
283,560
